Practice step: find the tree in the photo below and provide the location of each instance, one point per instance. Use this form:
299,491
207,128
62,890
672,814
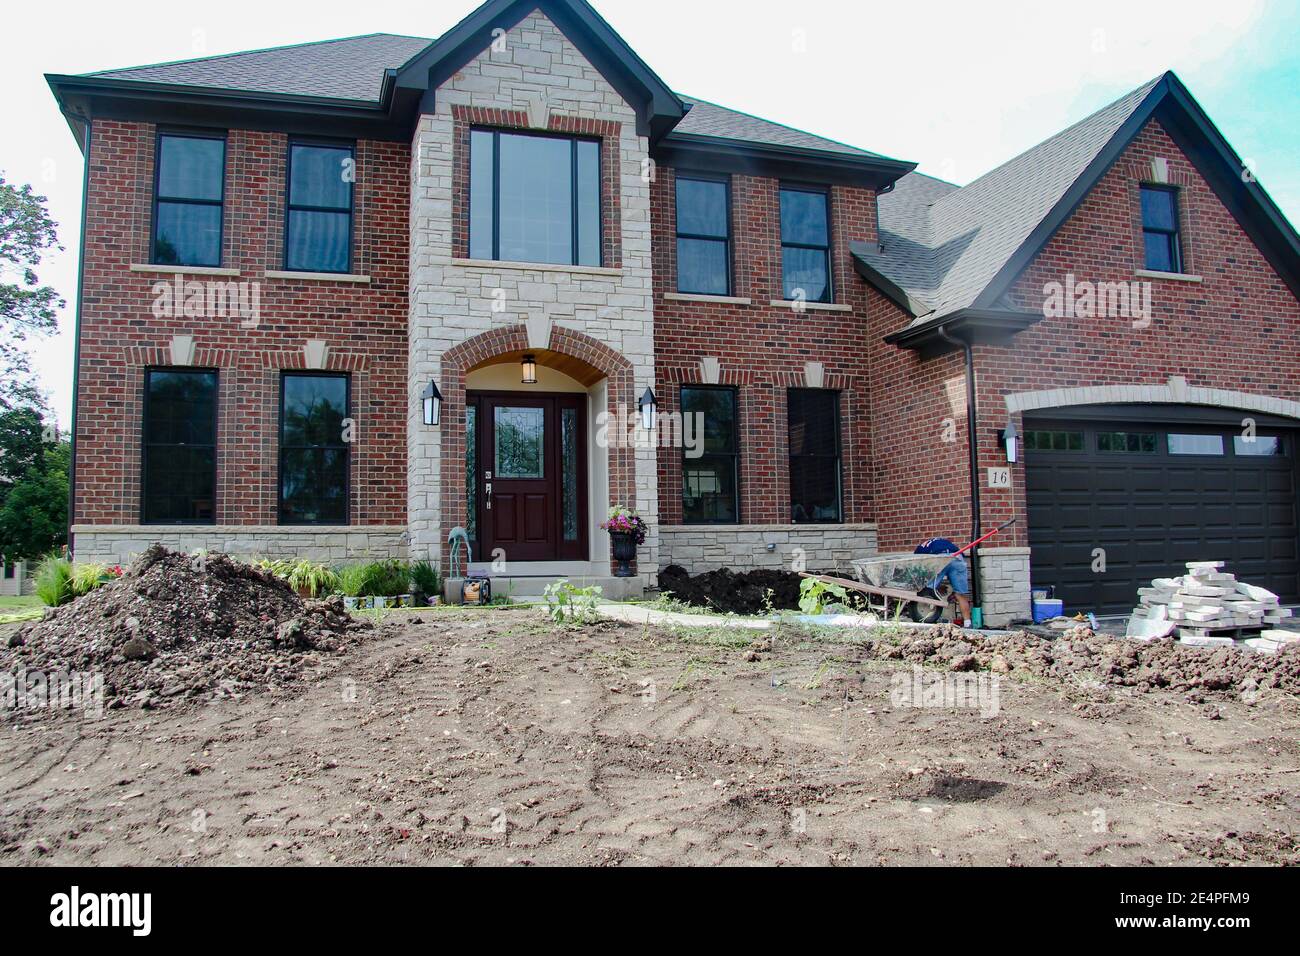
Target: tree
34,517
26,307
22,445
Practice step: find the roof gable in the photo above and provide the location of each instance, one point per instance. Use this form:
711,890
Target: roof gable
943,251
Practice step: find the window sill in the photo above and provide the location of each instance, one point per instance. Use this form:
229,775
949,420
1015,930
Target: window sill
700,297
183,270
318,276
795,304
1170,276
536,267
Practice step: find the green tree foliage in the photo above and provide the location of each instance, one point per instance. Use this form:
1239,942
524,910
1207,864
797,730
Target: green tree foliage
34,469
26,307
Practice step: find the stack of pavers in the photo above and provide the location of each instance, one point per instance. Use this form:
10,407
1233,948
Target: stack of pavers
1208,607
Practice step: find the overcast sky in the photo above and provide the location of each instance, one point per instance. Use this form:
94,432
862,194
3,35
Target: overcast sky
957,87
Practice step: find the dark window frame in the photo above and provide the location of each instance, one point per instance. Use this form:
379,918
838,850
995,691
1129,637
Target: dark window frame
838,456
574,202
727,243
734,454
290,208
179,133
1174,236
145,444
281,447
824,192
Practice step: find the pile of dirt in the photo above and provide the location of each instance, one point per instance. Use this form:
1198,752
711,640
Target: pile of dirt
178,627
726,591
1084,658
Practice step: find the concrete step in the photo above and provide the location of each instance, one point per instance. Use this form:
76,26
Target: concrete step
531,588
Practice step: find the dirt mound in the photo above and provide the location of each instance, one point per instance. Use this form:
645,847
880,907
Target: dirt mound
1084,658
726,591
177,627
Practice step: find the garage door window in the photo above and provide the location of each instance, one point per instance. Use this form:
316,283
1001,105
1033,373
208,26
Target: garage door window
1259,445
1137,443
1053,441
1195,444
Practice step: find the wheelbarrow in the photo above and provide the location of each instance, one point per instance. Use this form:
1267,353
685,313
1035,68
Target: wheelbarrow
897,584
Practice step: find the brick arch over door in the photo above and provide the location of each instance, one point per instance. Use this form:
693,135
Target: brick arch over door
478,351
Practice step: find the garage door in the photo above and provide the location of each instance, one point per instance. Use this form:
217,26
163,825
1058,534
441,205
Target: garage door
1147,498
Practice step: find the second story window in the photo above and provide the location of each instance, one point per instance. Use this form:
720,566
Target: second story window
534,198
189,185
1160,229
806,244
703,236
318,231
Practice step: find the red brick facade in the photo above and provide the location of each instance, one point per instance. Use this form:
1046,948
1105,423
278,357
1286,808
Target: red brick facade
364,326
762,348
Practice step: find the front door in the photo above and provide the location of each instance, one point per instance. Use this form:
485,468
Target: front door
533,475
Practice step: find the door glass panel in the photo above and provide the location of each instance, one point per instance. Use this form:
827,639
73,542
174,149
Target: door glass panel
520,442
1259,445
569,456
471,471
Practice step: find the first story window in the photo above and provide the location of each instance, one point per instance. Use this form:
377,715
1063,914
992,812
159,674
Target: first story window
318,228
710,480
814,429
806,244
534,198
189,189
179,472
314,448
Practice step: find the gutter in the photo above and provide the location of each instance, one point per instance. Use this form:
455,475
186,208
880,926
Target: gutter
972,440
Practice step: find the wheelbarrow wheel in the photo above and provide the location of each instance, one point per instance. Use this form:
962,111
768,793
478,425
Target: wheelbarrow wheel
926,613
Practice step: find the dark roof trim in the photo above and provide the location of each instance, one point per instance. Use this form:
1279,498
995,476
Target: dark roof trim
658,107
973,326
883,284
132,100
769,159
1171,103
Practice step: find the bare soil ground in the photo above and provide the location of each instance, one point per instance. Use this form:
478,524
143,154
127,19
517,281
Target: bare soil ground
496,738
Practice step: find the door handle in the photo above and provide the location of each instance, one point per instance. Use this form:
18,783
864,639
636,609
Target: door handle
487,495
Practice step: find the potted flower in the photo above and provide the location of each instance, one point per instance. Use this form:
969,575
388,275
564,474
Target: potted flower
627,530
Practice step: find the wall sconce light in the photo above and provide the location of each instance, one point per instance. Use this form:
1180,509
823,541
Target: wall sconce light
529,367
647,404
1009,438
432,400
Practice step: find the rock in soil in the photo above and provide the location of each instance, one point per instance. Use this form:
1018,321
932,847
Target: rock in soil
174,628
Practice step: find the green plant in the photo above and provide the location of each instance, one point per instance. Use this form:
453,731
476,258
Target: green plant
311,576
54,581
813,594
425,579
277,567
353,579
91,575
572,605
387,578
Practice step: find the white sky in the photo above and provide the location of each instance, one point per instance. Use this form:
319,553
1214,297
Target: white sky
958,87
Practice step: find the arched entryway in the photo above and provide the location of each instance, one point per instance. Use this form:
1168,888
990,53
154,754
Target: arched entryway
523,470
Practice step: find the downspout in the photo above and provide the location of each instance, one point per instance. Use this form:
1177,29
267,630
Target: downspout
76,341
972,441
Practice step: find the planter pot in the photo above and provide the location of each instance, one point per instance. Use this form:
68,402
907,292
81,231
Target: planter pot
405,600
382,602
365,603
623,548
351,603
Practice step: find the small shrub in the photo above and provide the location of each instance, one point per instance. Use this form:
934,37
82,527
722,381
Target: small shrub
89,576
54,581
572,605
313,577
387,578
813,595
353,579
425,579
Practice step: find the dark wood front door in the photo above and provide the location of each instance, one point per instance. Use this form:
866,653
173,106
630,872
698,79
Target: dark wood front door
533,474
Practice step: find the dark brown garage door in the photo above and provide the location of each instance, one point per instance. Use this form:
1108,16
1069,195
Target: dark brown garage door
1152,497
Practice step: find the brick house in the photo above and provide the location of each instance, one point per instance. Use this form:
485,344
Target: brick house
286,251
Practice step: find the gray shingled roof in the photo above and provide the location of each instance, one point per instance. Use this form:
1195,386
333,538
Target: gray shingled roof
943,245
353,69
349,69
710,119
